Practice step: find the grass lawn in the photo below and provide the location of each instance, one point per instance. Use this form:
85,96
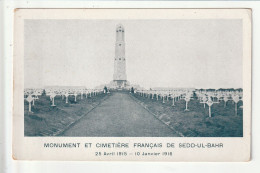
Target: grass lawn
196,122
48,121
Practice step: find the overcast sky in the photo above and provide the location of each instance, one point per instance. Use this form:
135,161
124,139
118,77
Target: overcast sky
159,53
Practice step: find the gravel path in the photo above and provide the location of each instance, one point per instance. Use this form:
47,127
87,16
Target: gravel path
119,116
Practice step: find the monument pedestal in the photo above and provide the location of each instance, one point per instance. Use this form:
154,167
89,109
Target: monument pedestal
119,84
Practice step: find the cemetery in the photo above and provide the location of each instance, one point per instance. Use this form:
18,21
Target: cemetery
198,113
49,112
188,113
122,109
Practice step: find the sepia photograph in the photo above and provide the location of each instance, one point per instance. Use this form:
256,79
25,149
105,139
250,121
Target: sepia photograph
133,78
132,84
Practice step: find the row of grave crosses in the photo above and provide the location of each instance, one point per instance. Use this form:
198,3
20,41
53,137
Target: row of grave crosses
32,94
205,97
74,92
175,95
220,96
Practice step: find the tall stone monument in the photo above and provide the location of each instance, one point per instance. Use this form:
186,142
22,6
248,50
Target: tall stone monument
119,77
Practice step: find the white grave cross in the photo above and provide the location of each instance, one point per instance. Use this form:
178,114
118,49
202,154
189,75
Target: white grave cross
225,100
52,98
187,99
173,99
75,94
67,96
30,99
236,100
210,103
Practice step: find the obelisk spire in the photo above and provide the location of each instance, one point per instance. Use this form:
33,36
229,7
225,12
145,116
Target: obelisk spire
119,61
